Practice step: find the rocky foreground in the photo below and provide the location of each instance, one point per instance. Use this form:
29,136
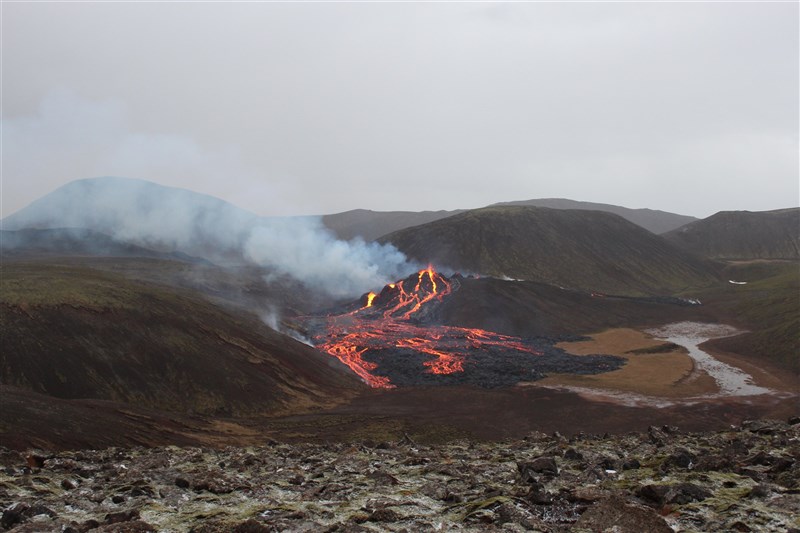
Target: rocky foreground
742,479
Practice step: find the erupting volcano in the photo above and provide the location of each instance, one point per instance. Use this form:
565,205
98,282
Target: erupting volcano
393,338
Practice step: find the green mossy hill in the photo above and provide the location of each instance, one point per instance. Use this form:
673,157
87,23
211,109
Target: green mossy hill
239,287
650,219
743,235
526,308
75,332
586,250
369,225
768,306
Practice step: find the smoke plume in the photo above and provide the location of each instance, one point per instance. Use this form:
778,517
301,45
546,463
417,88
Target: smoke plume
169,219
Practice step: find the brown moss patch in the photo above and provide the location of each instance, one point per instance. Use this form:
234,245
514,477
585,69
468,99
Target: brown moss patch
670,374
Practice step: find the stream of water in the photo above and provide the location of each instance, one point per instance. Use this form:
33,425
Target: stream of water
731,381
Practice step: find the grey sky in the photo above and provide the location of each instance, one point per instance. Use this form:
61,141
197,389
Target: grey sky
319,108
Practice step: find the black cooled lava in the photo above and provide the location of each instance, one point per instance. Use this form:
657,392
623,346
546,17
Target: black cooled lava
393,339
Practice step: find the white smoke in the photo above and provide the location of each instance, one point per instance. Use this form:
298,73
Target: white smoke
272,318
305,249
169,219
68,128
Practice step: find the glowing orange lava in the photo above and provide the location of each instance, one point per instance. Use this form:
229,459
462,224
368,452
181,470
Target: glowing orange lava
394,320
371,296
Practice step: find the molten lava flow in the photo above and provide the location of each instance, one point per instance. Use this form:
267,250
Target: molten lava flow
403,304
347,350
371,296
393,322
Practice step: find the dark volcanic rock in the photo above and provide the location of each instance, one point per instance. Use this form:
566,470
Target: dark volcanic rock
540,483
384,515
621,516
657,436
540,465
498,367
781,464
679,493
13,515
764,427
538,495
35,461
122,516
251,526
135,526
713,462
678,459
572,455
759,491
631,464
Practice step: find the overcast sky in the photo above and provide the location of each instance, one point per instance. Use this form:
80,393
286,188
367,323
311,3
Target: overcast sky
319,108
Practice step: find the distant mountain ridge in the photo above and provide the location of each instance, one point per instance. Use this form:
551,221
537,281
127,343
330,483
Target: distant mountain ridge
371,225
214,220
588,250
743,235
652,220
143,213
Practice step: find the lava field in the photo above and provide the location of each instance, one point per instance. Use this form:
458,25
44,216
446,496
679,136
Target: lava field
395,339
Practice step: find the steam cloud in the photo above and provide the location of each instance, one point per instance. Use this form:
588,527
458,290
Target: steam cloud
303,248
169,219
272,318
67,128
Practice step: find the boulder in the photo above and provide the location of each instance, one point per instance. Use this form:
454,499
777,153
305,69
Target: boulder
617,515
680,459
678,493
540,465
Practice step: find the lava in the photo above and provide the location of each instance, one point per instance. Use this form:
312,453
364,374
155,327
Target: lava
371,296
399,321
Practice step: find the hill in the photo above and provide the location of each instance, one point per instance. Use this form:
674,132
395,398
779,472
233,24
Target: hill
369,225
767,306
61,242
532,309
76,333
652,220
743,235
586,250
143,214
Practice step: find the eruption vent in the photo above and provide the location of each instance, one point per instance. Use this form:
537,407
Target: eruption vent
398,322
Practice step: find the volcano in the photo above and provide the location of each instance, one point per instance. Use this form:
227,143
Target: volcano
395,338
